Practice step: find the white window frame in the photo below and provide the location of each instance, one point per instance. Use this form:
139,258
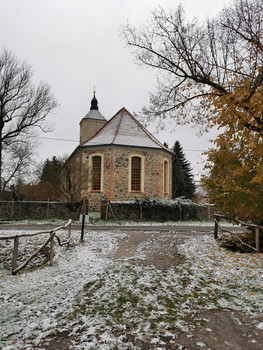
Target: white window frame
91,156
142,172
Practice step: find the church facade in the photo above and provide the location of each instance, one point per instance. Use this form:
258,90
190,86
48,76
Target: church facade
119,159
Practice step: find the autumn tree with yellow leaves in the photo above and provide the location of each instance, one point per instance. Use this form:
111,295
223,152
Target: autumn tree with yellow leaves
211,74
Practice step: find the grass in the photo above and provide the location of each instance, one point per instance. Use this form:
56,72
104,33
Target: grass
142,308
94,214
5,218
140,301
149,302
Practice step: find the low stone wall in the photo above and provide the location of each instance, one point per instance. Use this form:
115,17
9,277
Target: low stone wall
156,210
16,210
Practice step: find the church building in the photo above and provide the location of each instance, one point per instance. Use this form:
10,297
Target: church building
119,159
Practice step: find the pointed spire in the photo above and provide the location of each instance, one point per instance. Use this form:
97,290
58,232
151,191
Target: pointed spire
94,102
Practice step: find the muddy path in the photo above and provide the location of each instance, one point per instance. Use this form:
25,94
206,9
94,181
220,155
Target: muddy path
158,249
222,329
219,329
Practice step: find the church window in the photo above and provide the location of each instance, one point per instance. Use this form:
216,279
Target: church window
96,173
166,176
136,174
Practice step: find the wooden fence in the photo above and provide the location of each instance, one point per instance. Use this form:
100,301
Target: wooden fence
217,217
51,240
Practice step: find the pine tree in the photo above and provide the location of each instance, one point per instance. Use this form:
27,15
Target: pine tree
52,170
182,177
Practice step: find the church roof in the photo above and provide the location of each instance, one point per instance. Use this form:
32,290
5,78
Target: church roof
94,112
125,130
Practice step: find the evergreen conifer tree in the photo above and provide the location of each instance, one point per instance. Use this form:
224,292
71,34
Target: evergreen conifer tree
182,177
52,170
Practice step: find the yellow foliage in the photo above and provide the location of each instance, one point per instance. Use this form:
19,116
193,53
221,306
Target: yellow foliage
235,181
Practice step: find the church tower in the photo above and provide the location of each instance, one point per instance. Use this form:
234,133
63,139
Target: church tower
92,122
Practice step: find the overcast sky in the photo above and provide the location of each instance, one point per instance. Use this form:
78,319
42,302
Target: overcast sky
75,44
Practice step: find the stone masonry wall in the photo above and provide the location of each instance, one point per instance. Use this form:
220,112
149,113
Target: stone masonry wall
156,210
116,174
39,210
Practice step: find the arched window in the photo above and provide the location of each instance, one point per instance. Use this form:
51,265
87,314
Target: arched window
136,173
96,173
166,177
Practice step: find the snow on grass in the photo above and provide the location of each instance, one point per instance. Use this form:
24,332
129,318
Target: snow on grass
96,221
102,302
237,278
154,223
31,303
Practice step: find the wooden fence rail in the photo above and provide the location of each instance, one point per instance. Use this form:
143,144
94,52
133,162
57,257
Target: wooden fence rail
217,217
52,236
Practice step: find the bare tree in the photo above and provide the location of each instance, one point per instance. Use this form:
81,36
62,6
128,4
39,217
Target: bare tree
18,162
23,106
200,65
212,74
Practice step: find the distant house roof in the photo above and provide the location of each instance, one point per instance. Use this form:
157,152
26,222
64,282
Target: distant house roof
123,129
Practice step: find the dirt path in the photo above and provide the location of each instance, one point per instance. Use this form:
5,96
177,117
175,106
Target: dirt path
161,253
217,330
222,329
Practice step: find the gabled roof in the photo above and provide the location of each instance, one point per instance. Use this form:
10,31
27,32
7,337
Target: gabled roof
123,129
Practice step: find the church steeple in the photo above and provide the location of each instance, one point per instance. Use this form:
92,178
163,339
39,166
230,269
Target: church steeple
92,121
94,102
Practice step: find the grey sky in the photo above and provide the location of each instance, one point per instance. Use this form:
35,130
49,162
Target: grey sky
74,44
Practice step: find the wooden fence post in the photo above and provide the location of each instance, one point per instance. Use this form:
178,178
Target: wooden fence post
257,239
69,233
15,253
82,228
83,219
216,228
52,243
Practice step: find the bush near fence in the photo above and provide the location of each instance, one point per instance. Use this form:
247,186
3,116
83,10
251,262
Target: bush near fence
157,210
18,210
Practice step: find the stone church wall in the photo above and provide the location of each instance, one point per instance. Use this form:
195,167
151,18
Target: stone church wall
116,174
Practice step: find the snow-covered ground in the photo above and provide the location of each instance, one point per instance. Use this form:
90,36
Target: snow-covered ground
96,221
166,223
100,300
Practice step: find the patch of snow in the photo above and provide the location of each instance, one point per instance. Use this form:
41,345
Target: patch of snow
31,302
98,301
